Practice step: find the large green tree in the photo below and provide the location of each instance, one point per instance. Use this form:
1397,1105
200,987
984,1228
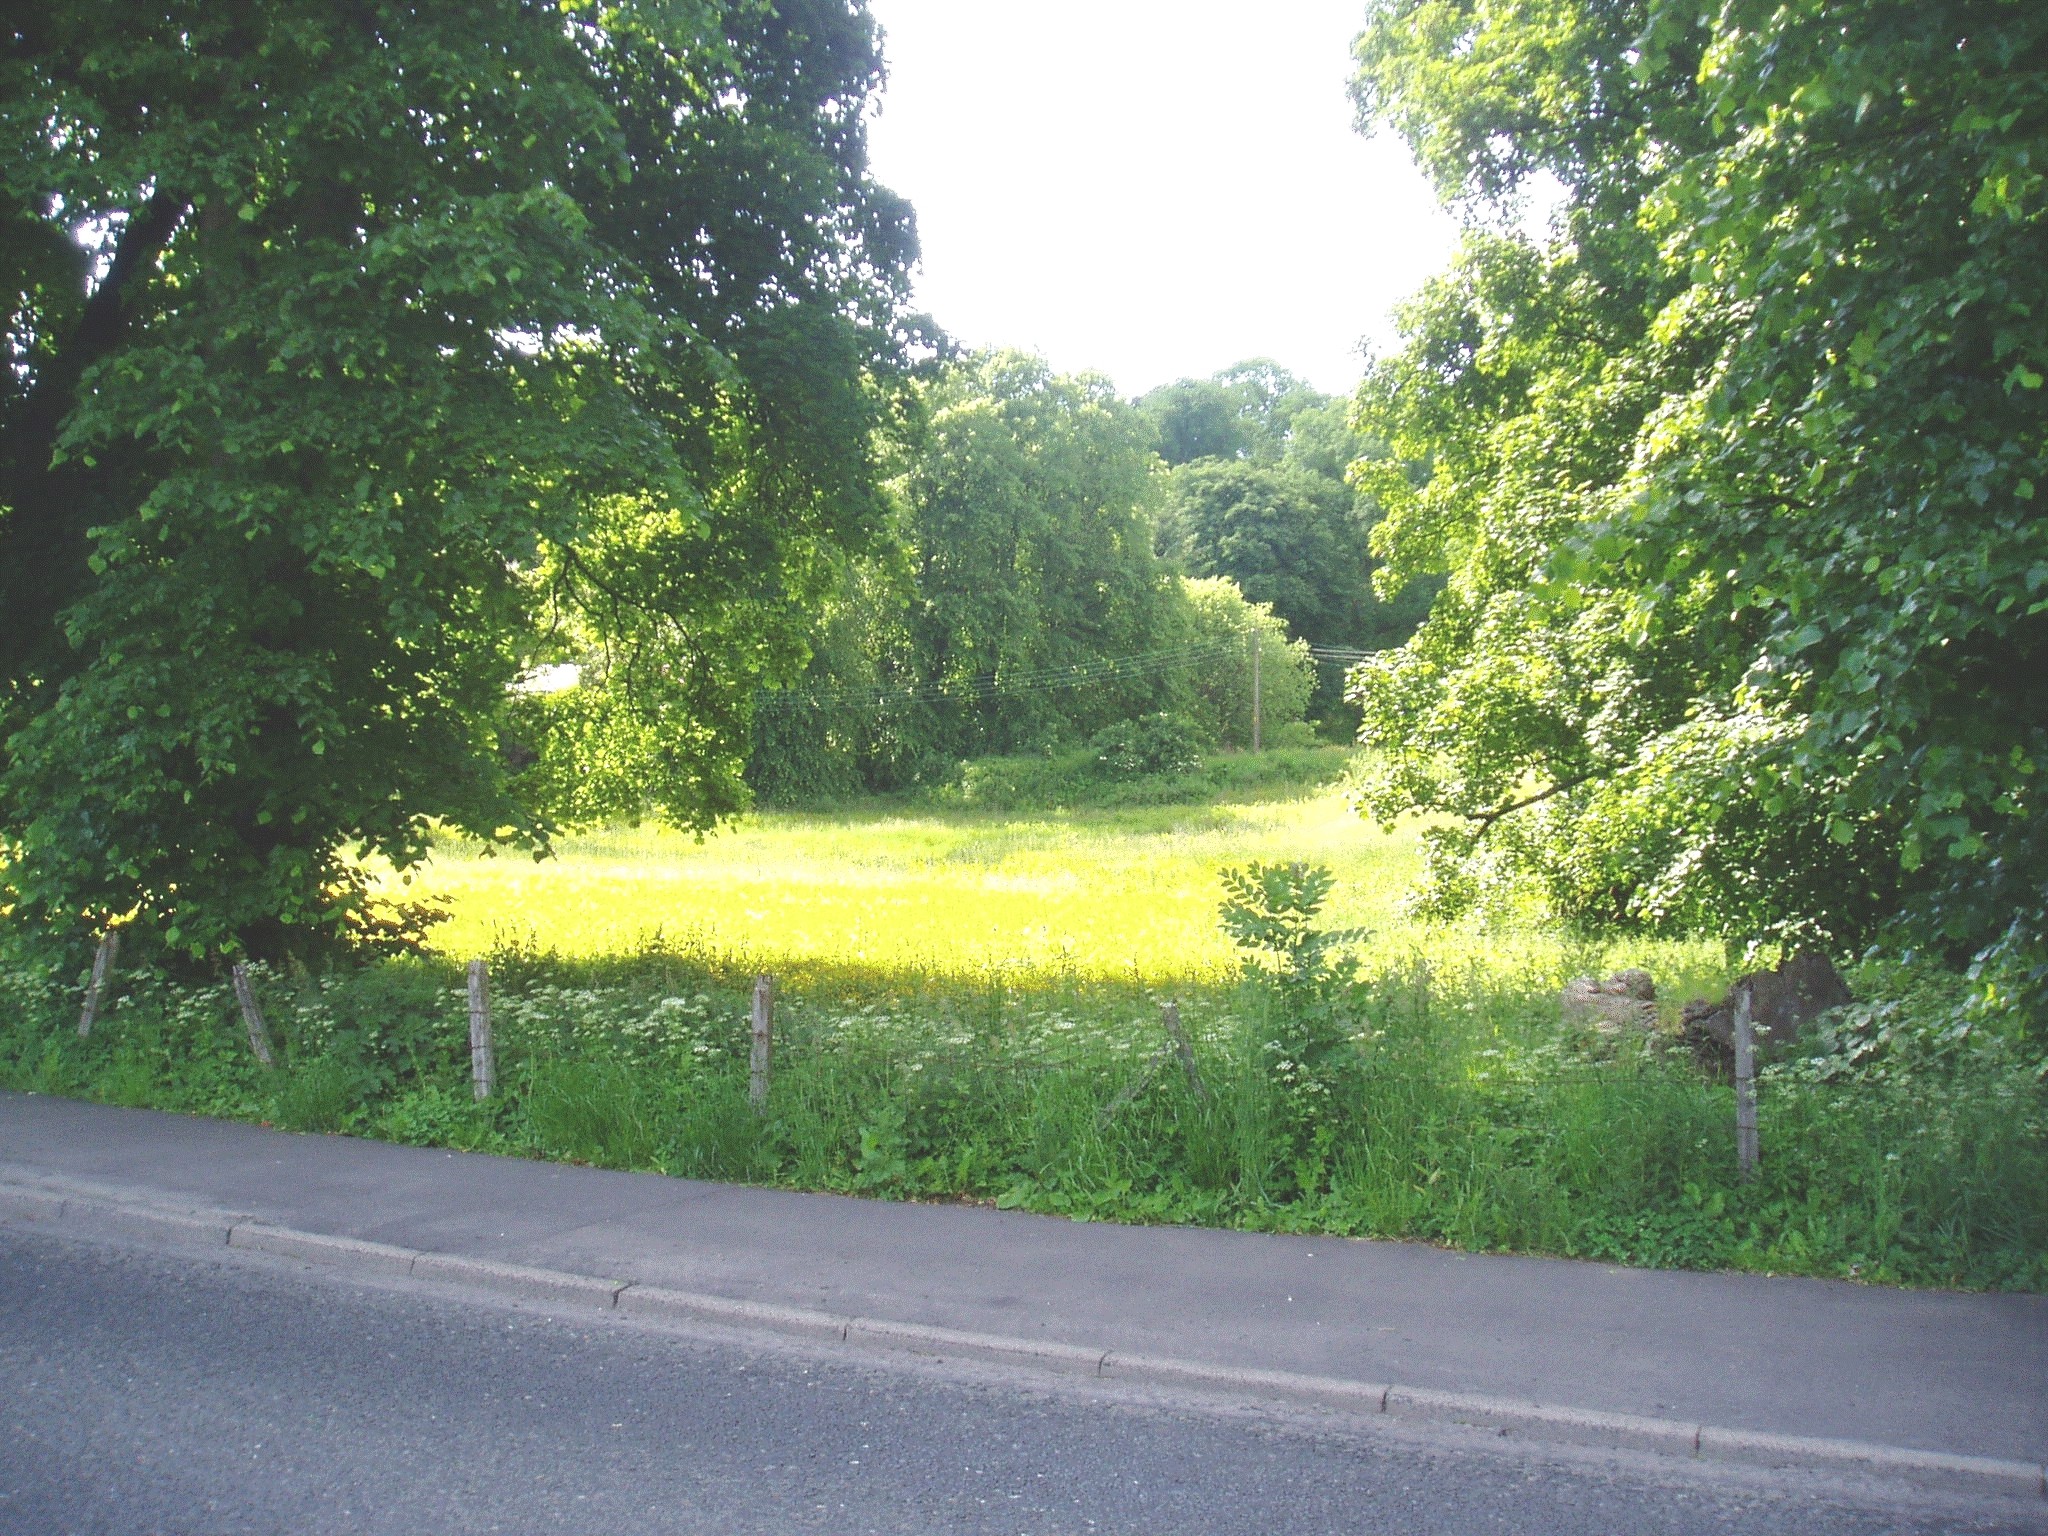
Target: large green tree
1287,537
1245,411
1023,562
1029,517
1734,480
1217,699
1259,490
360,356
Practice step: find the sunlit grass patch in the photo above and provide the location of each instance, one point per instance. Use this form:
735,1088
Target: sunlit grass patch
1127,894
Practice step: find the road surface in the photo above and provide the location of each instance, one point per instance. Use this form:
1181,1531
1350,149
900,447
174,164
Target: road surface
178,1391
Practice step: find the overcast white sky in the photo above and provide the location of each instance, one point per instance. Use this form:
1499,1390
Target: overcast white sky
1152,188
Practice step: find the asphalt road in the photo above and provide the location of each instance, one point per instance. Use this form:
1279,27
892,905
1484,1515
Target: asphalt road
1908,1369
145,1392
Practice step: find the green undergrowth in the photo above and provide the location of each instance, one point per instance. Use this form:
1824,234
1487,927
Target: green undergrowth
1414,1102
1079,779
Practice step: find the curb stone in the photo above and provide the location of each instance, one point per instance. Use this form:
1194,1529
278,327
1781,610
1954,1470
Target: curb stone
201,1229
1976,1474
519,1280
1315,1391
108,1211
1575,1426
18,1204
320,1248
924,1339
654,1303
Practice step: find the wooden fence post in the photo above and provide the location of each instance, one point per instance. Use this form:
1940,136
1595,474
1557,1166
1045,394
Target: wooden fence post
259,1037
764,1026
1745,1089
483,1054
102,964
1169,1017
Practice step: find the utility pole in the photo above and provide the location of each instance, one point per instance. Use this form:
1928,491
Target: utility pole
1257,720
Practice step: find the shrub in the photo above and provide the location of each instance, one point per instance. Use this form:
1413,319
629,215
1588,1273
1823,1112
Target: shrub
1150,744
1220,692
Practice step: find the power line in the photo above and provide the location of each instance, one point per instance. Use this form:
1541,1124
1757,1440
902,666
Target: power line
1032,680
1004,684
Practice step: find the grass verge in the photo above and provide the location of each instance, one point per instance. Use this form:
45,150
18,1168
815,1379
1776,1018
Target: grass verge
969,1009
1460,1112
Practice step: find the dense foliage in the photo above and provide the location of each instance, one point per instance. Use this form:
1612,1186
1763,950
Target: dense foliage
1021,606
1217,696
1247,411
360,357
1028,521
1260,491
1285,536
1734,476
1149,745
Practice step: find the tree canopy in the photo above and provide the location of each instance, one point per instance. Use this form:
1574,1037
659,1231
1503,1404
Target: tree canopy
1260,491
1287,537
1216,697
1029,522
361,357
1246,411
1734,478
1022,547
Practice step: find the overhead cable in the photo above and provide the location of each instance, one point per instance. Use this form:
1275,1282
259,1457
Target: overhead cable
1006,683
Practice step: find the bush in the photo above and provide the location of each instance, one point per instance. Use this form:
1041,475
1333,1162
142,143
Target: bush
1073,781
1012,783
1150,744
1220,692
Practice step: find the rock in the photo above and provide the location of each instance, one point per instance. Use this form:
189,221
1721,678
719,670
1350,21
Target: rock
1624,1001
1635,984
1782,1003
